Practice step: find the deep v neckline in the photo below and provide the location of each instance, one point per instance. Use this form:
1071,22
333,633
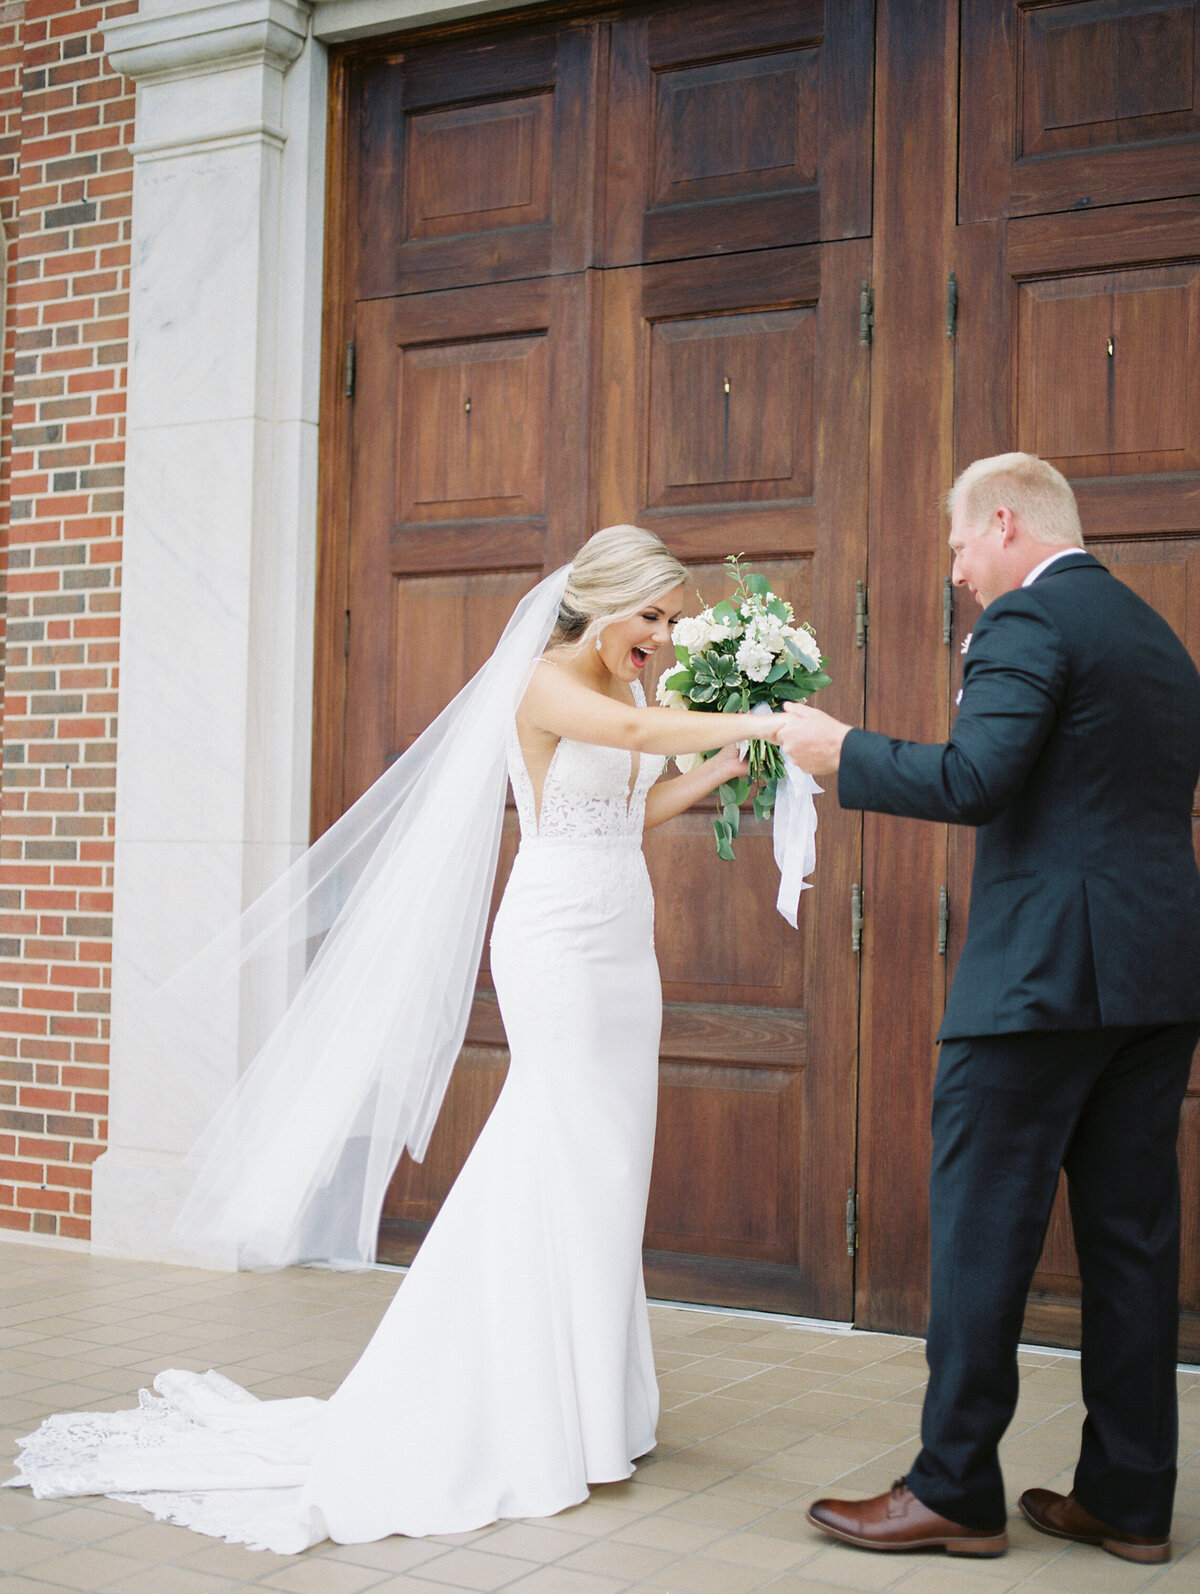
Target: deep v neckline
638,693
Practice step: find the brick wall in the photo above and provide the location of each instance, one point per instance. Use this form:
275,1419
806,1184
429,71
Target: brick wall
66,122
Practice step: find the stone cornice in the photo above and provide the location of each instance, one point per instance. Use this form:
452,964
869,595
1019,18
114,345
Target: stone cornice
207,38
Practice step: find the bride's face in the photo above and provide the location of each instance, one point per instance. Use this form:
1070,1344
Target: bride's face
627,646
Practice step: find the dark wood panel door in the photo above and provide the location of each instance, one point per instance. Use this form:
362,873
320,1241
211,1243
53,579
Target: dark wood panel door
1077,104
475,160
1079,339
469,471
733,417
737,127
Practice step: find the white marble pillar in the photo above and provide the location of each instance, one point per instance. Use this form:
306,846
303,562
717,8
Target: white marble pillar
214,729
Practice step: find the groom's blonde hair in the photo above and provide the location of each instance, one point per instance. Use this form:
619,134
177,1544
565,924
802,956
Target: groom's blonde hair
1027,485
615,573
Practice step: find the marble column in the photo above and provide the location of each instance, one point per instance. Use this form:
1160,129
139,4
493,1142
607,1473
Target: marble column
214,728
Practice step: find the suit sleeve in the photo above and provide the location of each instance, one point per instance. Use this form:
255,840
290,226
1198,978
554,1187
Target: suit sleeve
1013,682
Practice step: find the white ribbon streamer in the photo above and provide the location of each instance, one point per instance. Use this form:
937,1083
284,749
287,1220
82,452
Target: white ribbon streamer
795,832
795,836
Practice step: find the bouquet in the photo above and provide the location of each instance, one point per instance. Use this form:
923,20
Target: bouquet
743,652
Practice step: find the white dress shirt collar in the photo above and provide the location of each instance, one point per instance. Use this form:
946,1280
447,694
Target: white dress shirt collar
1061,553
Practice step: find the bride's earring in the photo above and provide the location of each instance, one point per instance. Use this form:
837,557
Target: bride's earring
597,644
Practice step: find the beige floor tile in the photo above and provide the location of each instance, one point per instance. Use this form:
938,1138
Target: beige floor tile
748,1548
701,1575
948,1576
24,1584
669,1533
318,1575
618,1558
81,1523
172,1580
475,1569
716,1511
757,1490
557,1580
393,1555
844,1567
88,1570
594,1518
233,1561
19,1550
532,1541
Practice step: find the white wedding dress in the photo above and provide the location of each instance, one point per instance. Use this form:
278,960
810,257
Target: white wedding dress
514,1366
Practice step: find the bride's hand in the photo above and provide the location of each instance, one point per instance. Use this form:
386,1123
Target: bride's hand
729,764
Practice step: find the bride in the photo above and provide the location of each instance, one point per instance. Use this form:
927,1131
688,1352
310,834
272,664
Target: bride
514,1366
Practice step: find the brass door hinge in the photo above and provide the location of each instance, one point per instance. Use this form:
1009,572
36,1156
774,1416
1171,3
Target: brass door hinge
856,919
851,1222
860,615
866,316
943,921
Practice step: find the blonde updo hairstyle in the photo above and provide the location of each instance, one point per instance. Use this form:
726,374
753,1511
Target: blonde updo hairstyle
615,572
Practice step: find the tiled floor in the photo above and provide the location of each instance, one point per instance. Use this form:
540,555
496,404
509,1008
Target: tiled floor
759,1415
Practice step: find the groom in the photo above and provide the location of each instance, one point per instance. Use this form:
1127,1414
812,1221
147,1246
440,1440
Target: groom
1070,1028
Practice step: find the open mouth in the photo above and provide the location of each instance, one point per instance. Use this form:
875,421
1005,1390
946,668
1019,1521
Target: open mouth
639,656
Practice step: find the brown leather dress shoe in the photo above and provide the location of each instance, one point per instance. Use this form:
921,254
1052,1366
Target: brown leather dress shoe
898,1521
1062,1516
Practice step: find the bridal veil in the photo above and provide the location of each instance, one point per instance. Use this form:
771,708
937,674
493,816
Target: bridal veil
382,921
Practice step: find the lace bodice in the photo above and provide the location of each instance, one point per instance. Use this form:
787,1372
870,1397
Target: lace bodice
586,793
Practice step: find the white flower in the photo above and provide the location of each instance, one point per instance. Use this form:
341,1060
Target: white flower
770,632
687,761
805,645
694,632
966,641
754,660
668,697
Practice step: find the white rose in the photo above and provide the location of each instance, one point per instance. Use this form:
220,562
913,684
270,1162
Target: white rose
805,645
668,697
687,761
693,632
726,630
754,660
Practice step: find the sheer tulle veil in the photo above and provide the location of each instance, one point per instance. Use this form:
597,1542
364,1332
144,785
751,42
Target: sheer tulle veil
381,922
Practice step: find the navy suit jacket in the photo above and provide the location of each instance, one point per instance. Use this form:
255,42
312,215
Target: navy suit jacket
1076,752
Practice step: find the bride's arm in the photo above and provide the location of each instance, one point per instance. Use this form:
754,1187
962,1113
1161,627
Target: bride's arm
667,798
559,705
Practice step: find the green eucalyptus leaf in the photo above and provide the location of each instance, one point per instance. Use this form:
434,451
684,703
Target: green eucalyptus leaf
682,656
724,838
777,672
681,681
724,612
757,584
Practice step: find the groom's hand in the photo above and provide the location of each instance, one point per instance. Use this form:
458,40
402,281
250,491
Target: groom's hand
811,739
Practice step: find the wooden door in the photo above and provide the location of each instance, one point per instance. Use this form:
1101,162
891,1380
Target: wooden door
525,362
743,427
1078,261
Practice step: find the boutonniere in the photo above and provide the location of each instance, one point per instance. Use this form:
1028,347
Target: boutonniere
966,643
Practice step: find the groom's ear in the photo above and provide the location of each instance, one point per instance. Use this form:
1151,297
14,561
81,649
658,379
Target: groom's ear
1008,526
